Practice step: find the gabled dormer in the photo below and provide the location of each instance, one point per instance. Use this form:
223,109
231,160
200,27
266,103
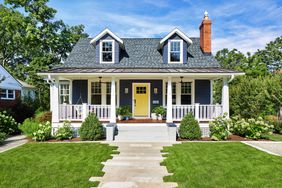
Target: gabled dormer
174,47
107,46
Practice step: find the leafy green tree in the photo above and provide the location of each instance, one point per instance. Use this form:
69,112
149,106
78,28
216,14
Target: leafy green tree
32,41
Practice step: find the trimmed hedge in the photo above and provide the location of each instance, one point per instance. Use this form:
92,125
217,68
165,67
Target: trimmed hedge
189,128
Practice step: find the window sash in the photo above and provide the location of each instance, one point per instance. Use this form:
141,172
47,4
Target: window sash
64,93
8,94
175,52
107,51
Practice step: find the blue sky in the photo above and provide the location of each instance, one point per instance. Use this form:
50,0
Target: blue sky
243,24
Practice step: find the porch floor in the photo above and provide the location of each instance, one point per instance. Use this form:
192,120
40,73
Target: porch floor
141,121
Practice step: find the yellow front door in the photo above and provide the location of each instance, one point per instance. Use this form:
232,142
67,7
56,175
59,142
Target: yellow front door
141,100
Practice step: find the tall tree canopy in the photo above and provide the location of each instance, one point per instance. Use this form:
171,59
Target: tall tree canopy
31,40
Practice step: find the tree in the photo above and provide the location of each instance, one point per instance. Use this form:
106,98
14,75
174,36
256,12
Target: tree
34,41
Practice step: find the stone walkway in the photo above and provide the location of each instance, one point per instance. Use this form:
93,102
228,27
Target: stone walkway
274,148
137,165
13,142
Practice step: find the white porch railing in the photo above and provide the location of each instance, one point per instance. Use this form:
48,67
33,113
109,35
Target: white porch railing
200,112
73,112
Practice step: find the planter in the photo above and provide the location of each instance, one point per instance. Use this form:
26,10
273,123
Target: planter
126,118
160,117
120,117
154,116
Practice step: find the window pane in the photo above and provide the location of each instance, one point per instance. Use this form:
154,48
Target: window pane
175,46
107,46
107,57
96,88
175,56
108,99
10,94
186,88
64,93
3,93
185,99
108,87
96,99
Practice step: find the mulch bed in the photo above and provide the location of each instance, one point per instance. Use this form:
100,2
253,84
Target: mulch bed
230,138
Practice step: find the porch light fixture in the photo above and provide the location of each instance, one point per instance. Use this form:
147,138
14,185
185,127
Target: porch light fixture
126,90
155,90
181,77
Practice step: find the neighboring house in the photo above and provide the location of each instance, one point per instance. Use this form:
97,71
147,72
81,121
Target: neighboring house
12,89
105,72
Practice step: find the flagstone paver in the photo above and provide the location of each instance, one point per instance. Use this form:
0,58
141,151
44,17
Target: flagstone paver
137,165
13,142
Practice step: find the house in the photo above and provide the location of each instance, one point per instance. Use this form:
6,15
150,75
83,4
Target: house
105,72
13,89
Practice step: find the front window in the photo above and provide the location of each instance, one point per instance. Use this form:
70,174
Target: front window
8,94
173,89
186,93
175,51
96,93
107,51
64,93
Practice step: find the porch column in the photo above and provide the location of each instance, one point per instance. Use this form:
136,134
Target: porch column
169,102
113,101
54,99
225,97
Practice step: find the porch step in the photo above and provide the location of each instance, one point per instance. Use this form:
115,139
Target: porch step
142,132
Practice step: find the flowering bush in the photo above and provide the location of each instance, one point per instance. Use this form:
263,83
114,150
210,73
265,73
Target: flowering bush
64,132
43,133
250,128
2,137
219,128
8,124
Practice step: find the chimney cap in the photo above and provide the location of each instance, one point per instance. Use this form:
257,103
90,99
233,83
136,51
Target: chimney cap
206,15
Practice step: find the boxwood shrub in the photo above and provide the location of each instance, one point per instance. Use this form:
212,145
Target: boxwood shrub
91,128
189,128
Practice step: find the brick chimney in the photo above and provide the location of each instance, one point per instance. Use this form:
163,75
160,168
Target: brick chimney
205,34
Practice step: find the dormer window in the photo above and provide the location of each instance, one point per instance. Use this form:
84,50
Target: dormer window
107,48
175,51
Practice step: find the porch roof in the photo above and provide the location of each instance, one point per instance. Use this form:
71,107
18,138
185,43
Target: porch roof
141,70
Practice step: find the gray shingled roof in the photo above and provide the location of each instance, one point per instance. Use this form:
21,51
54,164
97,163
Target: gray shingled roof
138,53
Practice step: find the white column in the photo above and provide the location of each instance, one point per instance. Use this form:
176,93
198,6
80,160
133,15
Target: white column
113,101
169,102
104,94
225,97
51,97
55,101
84,111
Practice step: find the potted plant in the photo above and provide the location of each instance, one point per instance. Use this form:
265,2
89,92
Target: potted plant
120,113
127,112
160,111
154,114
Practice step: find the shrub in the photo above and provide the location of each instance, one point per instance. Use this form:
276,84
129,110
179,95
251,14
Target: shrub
43,117
250,128
8,124
43,133
65,132
91,128
189,128
29,126
219,128
277,127
2,137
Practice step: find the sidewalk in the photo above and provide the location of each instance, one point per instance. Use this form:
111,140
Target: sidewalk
13,142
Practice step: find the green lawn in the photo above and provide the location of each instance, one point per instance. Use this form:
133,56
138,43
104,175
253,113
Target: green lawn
222,165
53,164
275,137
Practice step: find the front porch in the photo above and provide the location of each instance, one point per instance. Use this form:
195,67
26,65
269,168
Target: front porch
73,98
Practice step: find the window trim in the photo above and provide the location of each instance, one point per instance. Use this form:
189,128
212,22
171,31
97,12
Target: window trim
181,51
69,94
7,94
101,50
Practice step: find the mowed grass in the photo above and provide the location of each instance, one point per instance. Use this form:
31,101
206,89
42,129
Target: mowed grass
275,137
53,165
222,165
